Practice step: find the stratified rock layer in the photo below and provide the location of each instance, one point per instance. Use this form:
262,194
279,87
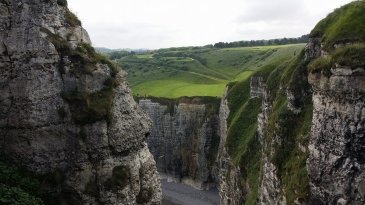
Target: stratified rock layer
184,141
229,176
103,160
336,161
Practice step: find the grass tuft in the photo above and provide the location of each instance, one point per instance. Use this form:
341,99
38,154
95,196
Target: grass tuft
350,55
71,19
144,195
323,63
87,108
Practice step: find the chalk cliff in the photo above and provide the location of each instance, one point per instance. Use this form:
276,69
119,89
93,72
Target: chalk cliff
309,130
184,139
67,111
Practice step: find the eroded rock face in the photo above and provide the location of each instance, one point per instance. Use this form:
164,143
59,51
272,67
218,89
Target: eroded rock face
336,146
257,88
229,175
183,141
313,48
336,161
270,187
43,87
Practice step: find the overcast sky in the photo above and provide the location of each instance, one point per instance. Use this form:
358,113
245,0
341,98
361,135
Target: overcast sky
172,23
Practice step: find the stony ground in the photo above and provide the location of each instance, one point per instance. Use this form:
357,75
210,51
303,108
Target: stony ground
181,194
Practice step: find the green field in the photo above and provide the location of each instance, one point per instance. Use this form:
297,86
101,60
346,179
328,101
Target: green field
199,71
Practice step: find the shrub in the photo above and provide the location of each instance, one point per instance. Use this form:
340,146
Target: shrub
59,43
91,188
18,186
87,108
82,133
121,176
94,57
350,55
62,2
17,196
144,195
71,19
62,112
323,63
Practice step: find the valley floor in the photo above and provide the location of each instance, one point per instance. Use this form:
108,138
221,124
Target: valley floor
181,194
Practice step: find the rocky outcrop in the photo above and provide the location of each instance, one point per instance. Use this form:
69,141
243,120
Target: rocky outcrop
270,187
229,176
184,140
66,110
336,161
257,88
313,48
279,153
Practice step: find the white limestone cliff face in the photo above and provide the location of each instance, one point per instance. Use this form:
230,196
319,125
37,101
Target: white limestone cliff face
336,162
270,187
182,141
229,177
334,147
103,160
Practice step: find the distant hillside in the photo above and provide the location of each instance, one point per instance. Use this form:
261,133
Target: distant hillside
198,71
108,50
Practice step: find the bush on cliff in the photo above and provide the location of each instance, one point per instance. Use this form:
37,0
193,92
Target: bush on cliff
18,187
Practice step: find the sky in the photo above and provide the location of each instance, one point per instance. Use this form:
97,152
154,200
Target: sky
156,24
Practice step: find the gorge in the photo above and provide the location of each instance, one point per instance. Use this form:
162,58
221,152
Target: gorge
289,129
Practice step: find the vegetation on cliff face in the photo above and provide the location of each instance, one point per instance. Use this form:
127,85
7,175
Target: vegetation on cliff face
242,142
85,107
352,56
88,108
18,187
344,27
345,24
289,129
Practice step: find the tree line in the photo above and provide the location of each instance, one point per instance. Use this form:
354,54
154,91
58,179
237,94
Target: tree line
252,43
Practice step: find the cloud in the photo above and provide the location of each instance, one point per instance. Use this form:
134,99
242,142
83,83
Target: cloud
271,11
170,23
129,35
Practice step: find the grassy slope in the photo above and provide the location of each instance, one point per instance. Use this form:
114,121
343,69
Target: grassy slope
242,142
198,72
290,129
344,24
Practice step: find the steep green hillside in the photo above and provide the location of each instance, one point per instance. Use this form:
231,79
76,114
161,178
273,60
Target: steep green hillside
242,141
287,129
198,71
345,24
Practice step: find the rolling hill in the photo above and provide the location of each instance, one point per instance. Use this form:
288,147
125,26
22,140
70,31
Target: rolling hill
199,71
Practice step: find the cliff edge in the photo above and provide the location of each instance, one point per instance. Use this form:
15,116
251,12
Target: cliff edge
303,142
67,115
